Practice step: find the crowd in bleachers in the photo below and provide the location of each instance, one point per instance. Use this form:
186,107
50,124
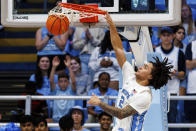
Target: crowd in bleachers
82,62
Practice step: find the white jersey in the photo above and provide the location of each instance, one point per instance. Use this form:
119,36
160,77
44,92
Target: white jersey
192,73
137,96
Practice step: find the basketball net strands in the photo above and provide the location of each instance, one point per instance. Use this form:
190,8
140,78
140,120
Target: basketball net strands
78,13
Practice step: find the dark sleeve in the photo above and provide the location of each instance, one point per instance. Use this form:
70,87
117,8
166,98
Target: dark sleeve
188,53
181,61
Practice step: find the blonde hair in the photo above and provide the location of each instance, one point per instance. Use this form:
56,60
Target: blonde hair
190,22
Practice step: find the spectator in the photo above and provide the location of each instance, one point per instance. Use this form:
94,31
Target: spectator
101,90
66,123
78,116
105,121
179,35
176,58
38,107
26,123
83,83
40,124
50,45
85,40
41,76
61,107
190,106
103,59
188,23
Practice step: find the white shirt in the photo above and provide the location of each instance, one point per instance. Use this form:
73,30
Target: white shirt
192,73
137,96
173,84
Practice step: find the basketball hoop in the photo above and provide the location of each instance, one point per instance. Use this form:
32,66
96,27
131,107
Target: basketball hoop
67,13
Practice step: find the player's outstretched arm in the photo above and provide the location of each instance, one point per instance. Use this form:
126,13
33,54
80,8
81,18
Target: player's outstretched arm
116,41
114,111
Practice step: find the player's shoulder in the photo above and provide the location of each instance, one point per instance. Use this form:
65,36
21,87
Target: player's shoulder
127,66
146,90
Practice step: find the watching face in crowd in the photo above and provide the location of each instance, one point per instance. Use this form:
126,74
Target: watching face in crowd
105,122
28,126
77,116
41,127
44,63
104,80
186,12
166,38
180,34
75,66
63,83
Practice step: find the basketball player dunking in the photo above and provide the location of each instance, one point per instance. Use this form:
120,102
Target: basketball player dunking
135,97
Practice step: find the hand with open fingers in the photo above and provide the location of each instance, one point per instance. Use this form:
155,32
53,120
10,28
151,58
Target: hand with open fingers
67,61
94,100
55,61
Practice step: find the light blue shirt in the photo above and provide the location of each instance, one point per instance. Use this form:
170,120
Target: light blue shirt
50,48
110,92
84,129
62,107
45,89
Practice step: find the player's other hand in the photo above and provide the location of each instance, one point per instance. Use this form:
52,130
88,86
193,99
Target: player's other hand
94,100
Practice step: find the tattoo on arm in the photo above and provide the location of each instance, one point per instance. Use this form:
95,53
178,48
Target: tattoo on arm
117,112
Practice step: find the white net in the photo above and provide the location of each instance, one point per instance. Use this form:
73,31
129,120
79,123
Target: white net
72,15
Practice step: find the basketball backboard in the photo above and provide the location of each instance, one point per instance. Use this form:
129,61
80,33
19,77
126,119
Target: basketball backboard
30,13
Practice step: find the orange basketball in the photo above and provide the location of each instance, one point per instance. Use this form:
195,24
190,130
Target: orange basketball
57,25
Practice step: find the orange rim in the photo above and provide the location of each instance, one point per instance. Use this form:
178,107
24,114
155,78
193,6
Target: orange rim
83,8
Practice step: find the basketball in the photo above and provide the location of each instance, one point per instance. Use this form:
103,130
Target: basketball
57,25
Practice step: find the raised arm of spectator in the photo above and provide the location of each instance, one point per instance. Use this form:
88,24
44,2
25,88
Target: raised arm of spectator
67,62
55,63
116,41
39,42
61,42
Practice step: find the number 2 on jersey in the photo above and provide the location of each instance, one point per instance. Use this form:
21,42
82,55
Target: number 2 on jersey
122,99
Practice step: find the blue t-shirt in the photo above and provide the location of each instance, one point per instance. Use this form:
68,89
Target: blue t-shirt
10,127
84,129
45,89
50,48
62,107
110,92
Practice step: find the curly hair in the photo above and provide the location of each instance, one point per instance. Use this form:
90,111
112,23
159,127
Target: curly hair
160,73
